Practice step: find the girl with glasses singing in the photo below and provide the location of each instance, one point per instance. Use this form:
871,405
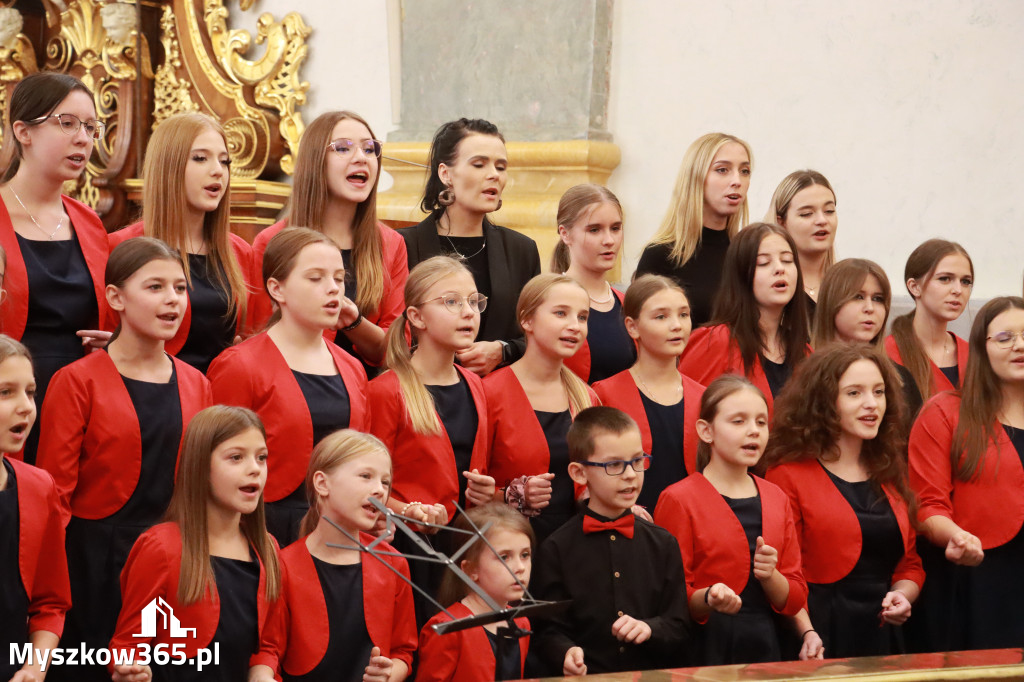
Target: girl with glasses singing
334,191
431,413
56,246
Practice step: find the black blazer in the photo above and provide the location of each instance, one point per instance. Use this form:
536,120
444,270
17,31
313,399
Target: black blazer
512,261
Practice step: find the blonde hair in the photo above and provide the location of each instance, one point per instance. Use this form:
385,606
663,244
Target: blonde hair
578,201
791,185
310,198
165,204
188,509
419,404
10,348
331,452
682,224
533,295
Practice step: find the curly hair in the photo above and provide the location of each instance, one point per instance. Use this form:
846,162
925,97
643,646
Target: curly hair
807,423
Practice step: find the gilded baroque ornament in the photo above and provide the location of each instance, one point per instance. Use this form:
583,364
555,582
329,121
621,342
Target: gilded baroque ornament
17,57
171,94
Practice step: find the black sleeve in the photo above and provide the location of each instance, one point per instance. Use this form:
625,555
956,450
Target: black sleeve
671,631
655,261
531,268
547,583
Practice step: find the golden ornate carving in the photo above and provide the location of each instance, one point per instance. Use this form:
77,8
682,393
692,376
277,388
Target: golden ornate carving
171,94
17,57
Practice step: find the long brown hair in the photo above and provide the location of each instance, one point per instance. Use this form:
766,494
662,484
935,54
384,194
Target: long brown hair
165,205
129,257
310,198
980,396
717,391
419,404
533,295
806,424
841,283
281,255
736,306
207,430
921,267
501,517
578,202
331,452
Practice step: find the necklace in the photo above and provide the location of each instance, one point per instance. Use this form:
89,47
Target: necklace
33,218
811,290
604,300
452,244
647,389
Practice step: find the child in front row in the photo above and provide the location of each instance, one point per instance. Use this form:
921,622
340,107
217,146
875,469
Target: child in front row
736,531
482,653
624,575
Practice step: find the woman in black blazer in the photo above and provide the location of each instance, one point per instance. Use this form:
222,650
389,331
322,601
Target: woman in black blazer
468,171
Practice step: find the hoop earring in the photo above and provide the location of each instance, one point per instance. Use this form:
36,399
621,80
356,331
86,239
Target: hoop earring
499,205
446,197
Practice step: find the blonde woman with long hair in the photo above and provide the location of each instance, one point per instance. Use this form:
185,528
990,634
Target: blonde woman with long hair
532,402
186,203
335,192
708,208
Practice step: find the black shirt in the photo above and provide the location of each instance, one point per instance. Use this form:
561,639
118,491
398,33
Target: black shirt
606,575
777,374
507,664
700,276
455,407
611,349
563,493
748,513
473,253
13,598
881,539
329,410
211,329
953,374
351,289
668,464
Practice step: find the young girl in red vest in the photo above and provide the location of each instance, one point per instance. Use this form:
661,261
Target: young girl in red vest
590,236
113,430
531,404
663,403
837,450
212,562
481,653
302,385
346,615
735,531
33,566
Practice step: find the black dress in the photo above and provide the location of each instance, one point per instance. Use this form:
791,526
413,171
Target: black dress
13,598
61,301
777,374
455,407
563,493
351,287
700,276
846,613
952,373
329,410
611,349
348,644
97,549
211,329
750,635
668,464
507,662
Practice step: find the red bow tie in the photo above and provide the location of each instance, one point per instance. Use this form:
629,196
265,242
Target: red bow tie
623,524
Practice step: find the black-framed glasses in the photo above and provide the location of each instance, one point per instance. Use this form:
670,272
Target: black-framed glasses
71,124
617,467
345,146
1005,339
454,302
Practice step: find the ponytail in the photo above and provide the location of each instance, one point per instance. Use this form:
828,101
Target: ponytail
419,404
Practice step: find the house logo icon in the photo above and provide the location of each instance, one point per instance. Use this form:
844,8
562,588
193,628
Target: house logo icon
159,609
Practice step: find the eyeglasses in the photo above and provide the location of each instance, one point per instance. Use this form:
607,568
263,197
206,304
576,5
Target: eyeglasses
617,467
1005,339
454,302
344,146
71,124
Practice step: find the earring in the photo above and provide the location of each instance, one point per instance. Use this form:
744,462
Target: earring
499,205
446,197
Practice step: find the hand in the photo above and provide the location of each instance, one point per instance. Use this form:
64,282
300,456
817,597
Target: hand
642,513
349,313
481,358
132,673
964,549
380,526
538,490
573,664
895,608
26,676
629,629
479,487
94,338
721,598
379,669
261,673
812,647
428,513
237,340
766,558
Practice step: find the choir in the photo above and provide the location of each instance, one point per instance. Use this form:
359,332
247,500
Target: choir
728,462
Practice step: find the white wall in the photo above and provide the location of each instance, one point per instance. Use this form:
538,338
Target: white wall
913,110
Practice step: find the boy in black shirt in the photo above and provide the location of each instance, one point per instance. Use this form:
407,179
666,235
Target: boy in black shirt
623,574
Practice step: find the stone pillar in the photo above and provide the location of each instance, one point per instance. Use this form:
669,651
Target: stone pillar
537,69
